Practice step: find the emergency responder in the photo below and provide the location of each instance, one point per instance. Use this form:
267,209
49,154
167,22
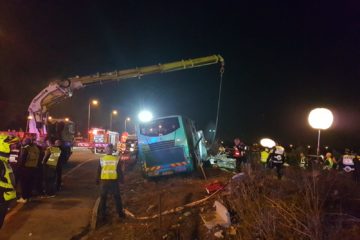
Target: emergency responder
347,162
239,154
7,181
109,175
329,161
264,156
29,158
14,161
50,162
303,161
277,159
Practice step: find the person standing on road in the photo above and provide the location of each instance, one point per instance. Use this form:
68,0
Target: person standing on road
109,175
29,158
7,181
277,159
239,154
50,163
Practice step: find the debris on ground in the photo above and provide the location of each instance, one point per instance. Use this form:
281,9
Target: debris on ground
220,216
213,187
223,161
219,234
187,214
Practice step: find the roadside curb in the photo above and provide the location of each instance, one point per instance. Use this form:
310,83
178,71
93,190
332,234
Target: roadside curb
94,215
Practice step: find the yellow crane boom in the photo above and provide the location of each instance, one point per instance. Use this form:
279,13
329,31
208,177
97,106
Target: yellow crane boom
57,91
142,71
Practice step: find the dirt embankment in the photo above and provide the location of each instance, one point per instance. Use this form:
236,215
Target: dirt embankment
298,207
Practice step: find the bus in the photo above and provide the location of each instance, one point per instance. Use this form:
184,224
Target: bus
170,145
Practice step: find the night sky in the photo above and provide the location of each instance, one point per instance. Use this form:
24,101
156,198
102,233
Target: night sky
282,59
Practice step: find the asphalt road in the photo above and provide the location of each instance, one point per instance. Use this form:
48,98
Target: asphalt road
66,216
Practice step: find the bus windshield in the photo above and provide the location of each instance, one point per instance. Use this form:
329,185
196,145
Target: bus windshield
159,127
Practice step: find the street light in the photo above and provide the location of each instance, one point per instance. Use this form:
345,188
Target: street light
145,116
67,119
320,119
93,102
127,120
114,112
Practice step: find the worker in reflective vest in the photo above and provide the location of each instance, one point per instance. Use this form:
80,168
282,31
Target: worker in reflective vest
109,175
303,162
7,181
329,161
277,159
264,156
50,163
29,158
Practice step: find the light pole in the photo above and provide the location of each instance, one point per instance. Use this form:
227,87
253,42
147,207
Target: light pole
94,103
320,119
127,120
113,112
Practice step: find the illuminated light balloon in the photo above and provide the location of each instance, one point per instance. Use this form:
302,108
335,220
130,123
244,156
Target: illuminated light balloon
320,118
145,116
267,142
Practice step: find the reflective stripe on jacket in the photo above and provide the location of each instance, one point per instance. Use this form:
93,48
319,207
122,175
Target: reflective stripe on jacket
7,181
109,165
54,156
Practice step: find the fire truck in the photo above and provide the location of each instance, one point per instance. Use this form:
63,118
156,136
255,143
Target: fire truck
99,138
62,89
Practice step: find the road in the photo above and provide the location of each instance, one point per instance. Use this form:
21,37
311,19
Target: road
65,216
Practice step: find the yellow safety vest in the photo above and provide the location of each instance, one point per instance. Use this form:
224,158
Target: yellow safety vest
331,163
264,156
8,182
108,165
54,156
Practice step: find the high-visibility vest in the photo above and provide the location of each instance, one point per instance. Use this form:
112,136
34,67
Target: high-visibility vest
109,165
54,156
264,156
7,181
302,162
330,163
33,156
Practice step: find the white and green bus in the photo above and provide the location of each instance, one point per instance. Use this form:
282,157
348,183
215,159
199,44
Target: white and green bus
170,145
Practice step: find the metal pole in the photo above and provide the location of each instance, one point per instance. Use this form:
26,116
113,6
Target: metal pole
110,121
88,126
125,124
318,146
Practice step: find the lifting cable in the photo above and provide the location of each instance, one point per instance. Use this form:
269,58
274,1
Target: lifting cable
222,70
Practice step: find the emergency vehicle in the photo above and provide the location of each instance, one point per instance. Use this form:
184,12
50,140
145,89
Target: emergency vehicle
99,138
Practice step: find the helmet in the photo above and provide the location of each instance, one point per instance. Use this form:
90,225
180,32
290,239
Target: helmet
6,141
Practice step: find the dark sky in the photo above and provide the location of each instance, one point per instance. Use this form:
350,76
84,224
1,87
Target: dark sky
282,59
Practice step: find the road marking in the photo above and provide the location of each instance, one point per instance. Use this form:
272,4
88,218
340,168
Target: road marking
18,206
78,166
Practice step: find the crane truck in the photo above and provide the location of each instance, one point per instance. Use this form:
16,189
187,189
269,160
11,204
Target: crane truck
59,90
